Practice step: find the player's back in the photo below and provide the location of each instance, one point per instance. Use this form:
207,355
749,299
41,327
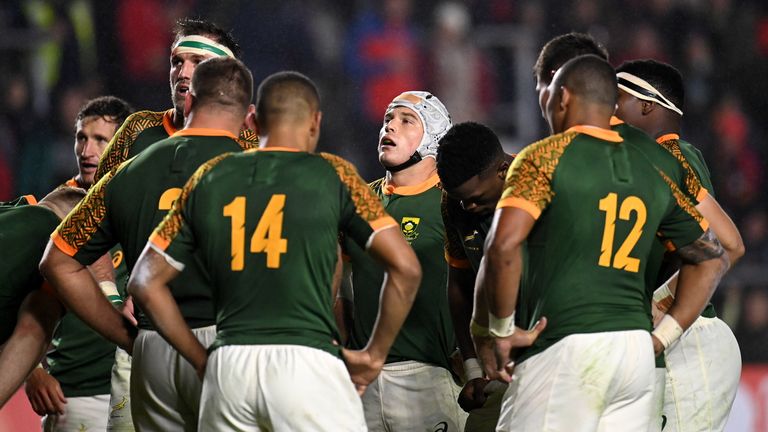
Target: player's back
589,247
142,190
266,224
24,231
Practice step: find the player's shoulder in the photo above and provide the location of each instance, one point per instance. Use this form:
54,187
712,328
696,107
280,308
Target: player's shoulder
144,119
28,217
136,124
540,151
342,168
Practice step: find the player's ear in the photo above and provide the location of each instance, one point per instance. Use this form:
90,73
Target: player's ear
647,107
565,97
250,119
317,117
502,171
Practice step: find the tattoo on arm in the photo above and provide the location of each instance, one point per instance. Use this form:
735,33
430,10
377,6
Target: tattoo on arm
704,248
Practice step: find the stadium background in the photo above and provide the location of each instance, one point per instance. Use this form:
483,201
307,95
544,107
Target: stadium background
476,55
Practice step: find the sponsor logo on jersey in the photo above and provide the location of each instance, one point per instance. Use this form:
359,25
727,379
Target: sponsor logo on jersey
117,258
409,225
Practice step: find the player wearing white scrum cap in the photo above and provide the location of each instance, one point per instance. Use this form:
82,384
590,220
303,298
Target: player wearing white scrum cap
417,372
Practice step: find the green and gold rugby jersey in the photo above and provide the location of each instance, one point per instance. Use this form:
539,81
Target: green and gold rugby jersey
465,235
24,231
598,203
140,130
427,334
696,170
128,203
267,233
679,172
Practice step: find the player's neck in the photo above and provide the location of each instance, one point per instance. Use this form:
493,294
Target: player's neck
587,115
178,119
665,127
413,175
288,137
207,120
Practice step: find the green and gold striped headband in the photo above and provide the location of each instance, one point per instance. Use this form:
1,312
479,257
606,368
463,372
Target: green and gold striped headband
200,45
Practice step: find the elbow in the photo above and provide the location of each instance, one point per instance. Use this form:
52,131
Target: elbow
135,289
735,253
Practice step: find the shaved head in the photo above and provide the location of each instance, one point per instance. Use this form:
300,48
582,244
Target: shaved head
591,78
285,97
223,81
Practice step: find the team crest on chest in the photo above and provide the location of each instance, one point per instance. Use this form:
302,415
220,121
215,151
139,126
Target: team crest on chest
409,225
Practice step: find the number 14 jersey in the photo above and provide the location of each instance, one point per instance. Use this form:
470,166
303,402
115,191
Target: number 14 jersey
265,224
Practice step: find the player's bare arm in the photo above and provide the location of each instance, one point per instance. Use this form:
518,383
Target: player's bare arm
704,248
79,292
460,298
149,287
722,225
34,328
500,279
704,264
403,276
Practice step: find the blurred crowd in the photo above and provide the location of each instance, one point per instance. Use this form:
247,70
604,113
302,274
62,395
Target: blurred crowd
476,55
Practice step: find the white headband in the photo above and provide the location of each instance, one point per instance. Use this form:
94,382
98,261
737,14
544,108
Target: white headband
200,45
641,89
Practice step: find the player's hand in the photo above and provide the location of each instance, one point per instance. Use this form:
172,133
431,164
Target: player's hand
44,393
658,347
363,368
200,368
485,355
128,311
505,347
472,395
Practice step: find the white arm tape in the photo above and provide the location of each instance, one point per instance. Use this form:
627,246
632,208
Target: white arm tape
472,369
109,289
501,327
668,330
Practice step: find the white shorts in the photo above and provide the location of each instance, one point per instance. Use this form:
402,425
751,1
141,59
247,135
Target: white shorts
165,389
80,413
413,396
278,388
120,394
657,418
584,382
703,371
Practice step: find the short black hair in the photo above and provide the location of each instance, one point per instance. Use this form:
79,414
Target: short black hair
191,27
113,108
285,94
467,150
664,77
225,81
591,78
563,48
